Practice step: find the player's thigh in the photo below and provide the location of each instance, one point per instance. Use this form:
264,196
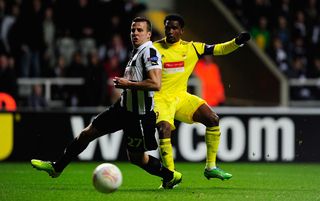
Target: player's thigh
110,120
165,109
140,133
187,107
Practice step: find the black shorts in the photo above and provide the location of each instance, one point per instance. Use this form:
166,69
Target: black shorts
139,130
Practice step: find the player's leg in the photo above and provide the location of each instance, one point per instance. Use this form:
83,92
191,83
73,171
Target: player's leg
140,136
153,166
106,122
150,164
194,109
78,144
165,146
210,119
165,108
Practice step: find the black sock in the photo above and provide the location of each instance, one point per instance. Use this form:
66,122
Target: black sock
72,150
155,167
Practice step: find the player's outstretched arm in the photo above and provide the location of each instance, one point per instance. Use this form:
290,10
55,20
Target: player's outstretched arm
232,45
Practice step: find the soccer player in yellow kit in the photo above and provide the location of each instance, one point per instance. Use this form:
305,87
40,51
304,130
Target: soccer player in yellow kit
174,102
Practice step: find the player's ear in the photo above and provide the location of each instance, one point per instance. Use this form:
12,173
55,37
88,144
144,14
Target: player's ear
149,34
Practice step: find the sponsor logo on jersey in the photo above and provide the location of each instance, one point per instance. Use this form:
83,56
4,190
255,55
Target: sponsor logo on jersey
154,60
174,67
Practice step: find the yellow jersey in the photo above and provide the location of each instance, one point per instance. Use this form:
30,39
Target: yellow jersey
179,60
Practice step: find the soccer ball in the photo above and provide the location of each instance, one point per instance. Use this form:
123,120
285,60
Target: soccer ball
107,178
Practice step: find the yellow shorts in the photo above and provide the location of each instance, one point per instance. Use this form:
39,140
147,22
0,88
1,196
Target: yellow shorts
180,107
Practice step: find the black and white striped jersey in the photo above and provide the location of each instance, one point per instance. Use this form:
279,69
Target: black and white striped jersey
146,57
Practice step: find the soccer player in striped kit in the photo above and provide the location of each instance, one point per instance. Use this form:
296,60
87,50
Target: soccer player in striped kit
133,112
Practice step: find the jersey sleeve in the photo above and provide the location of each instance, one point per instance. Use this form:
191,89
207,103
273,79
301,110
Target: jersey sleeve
215,49
152,59
225,48
203,49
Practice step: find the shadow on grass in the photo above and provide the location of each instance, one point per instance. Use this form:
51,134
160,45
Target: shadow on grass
230,190
241,189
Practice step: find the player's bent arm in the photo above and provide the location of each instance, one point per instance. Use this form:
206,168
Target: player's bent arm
152,83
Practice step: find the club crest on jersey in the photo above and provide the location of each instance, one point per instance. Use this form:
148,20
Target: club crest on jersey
174,67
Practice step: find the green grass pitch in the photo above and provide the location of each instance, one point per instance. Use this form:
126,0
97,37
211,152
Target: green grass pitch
251,181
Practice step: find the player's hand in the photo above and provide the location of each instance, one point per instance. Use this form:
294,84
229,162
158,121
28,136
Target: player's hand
242,38
120,82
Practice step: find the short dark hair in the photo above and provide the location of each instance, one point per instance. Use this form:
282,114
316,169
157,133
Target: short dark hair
144,19
175,17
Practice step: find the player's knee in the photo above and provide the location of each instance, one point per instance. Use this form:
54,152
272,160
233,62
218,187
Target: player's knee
164,130
87,134
138,159
213,120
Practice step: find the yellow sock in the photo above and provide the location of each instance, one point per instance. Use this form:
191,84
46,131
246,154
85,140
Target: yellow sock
166,153
212,138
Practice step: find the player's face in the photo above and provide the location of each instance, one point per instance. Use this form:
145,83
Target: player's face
173,31
139,33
